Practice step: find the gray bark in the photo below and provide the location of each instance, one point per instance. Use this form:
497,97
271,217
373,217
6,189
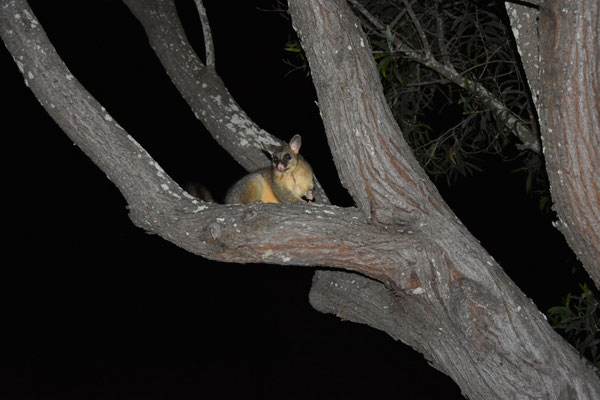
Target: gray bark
563,70
430,283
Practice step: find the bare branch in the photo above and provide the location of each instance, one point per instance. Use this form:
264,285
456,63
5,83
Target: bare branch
398,17
441,39
208,42
419,29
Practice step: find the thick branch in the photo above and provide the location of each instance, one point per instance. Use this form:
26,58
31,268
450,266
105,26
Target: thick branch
569,110
291,234
370,153
561,57
524,23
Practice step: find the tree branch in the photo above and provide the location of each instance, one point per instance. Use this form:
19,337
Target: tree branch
569,110
570,126
441,39
419,29
208,42
524,23
370,153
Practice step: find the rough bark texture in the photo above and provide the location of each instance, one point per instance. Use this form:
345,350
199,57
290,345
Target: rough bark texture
524,22
566,79
430,283
570,120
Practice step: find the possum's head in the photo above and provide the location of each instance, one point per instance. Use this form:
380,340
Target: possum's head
285,158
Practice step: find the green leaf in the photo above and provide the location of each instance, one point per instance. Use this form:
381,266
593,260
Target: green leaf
293,47
389,38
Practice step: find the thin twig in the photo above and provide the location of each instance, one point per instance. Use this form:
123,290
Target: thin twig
419,28
399,16
400,45
442,38
209,48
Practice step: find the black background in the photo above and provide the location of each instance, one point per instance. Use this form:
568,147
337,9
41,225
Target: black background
92,307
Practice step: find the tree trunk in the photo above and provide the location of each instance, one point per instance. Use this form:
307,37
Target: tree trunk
565,80
430,283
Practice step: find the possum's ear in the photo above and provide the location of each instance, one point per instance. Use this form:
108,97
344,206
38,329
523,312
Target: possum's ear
295,143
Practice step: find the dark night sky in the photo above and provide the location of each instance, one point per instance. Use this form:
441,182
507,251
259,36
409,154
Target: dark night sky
93,307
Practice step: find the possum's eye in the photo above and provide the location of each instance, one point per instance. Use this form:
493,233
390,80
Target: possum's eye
287,157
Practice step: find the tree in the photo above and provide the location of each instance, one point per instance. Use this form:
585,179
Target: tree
422,277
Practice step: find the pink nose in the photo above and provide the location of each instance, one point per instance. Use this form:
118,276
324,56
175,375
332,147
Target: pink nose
281,167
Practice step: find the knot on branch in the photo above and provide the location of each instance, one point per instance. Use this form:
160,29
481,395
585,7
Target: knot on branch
250,215
214,230
476,312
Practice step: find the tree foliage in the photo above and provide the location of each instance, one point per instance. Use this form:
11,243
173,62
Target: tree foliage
473,42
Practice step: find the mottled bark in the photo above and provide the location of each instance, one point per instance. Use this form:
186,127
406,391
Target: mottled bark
430,284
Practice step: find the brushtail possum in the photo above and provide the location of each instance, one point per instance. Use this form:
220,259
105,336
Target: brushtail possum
288,179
